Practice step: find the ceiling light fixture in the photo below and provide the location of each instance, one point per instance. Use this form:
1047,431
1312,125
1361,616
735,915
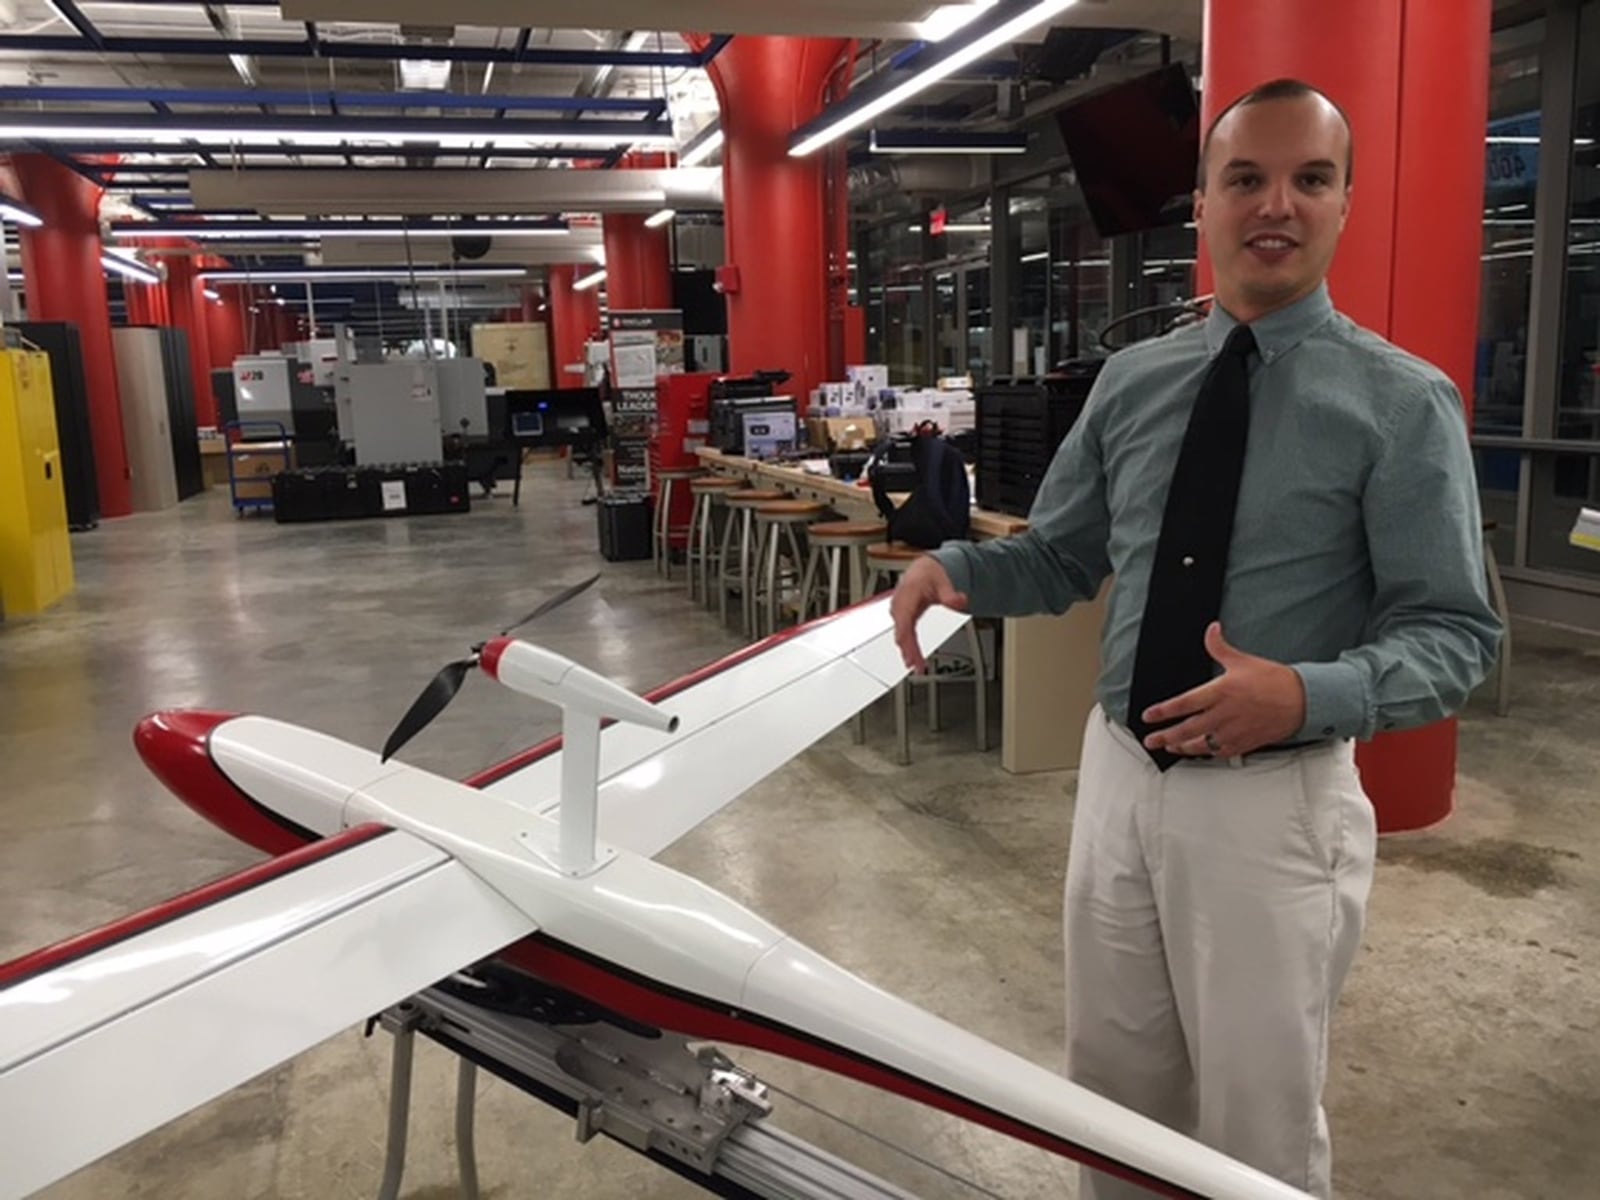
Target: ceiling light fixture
593,279
356,274
946,141
19,214
657,219
702,147
947,18
130,268
444,132
213,294
266,231
833,128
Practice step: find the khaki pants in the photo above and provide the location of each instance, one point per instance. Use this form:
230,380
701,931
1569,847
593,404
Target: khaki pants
1212,913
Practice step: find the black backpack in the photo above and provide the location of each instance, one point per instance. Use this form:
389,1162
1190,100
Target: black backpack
939,506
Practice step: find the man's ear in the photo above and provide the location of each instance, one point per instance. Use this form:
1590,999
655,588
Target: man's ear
1200,204
1344,209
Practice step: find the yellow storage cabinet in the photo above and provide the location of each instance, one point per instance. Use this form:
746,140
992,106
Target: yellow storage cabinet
35,556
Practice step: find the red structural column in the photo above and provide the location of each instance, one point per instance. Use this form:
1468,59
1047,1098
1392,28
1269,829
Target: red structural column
187,302
65,282
574,319
146,303
1413,77
773,218
638,264
225,326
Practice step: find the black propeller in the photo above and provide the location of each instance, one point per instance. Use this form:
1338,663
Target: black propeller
442,688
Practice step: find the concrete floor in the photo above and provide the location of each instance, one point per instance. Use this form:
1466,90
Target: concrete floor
1466,1057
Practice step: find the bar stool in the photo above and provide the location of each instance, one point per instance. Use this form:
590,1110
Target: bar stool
889,561
779,521
703,529
664,528
840,549
734,573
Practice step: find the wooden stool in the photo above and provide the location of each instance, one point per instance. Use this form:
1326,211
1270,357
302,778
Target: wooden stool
664,528
734,574
889,561
702,530
833,544
779,521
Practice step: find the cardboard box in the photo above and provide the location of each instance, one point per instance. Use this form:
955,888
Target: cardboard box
254,465
841,433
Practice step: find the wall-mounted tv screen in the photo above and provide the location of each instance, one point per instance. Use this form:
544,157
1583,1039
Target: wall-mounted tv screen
1134,147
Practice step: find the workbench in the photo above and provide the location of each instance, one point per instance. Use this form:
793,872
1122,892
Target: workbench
1048,665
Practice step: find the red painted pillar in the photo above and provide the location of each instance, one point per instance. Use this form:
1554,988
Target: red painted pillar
1413,75
574,319
773,205
188,307
65,282
225,326
146,303
638,266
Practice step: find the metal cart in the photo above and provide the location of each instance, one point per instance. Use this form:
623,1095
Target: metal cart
255,491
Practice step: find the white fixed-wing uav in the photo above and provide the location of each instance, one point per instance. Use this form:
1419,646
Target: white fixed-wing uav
385,879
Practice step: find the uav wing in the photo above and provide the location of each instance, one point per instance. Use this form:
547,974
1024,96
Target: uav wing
178,1004
739,720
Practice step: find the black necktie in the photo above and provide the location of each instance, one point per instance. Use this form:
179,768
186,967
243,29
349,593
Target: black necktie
1192,552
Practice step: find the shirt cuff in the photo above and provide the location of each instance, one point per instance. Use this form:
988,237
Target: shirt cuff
1336,701
952,556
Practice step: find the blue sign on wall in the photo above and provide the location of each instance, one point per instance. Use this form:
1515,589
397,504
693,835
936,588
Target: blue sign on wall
1513,150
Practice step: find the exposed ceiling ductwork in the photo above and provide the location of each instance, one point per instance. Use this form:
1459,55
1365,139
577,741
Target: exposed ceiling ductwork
456,191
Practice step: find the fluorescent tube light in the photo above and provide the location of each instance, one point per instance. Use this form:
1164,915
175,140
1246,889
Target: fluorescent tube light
213,294
20,214
657,219
424,74
129,267
979,46
1039,256
242,231
16,126
593,279
701,148
947,18
354,274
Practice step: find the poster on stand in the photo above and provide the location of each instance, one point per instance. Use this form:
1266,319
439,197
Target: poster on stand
645,343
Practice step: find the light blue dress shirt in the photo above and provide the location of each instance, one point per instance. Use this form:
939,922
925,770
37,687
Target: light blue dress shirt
1357,553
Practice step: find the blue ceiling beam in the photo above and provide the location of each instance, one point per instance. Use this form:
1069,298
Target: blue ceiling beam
714,47
348,127
597,153
248,97
283,48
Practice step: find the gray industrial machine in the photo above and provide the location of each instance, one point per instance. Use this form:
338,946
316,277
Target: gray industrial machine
390,411
462,406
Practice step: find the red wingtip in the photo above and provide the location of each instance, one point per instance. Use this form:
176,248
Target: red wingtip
489,657
176,746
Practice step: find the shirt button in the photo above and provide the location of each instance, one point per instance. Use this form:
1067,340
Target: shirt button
1188,560
1327,731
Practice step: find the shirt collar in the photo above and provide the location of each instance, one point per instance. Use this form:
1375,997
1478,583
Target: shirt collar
1278,332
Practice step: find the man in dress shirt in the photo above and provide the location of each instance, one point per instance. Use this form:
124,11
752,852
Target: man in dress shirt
1213,909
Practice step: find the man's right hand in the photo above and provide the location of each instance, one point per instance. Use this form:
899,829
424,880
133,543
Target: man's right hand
926,583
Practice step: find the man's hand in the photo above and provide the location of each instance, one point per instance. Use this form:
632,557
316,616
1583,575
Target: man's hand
925,584
1255,702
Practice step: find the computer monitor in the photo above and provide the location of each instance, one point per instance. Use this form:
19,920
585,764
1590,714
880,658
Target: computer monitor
557,417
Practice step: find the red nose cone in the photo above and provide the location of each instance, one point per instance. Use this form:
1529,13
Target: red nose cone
176,746
489,658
